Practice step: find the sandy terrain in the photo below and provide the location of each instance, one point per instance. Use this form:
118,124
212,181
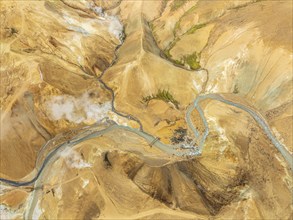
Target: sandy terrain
66,65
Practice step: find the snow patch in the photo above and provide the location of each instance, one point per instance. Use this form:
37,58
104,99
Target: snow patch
73,159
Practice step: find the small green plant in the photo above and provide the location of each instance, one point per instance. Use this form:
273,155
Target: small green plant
177,4
177,27
167,53
179,62
163,95
151,25
191,60
169,48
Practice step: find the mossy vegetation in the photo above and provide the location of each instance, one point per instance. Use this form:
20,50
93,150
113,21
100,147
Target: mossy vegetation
163,95
176,28
167,54
167,50
179,62
193,61
177,4
236,89
190,11
151,25
194,28
244,5
177,25
165,2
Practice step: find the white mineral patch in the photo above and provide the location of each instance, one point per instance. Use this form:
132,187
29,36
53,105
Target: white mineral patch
85,182
37,211
115,27
90,26
197,86
98,10
73,159
279,137
75,42
79,59
223,140
3,188
226,70
213,88
6,213
117,119
84,27
58,192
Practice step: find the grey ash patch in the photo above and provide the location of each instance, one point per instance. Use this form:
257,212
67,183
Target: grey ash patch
180,136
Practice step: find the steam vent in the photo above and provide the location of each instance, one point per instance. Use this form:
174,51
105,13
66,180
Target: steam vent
146,109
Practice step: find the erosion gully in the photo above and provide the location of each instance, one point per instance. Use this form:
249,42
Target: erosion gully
49,152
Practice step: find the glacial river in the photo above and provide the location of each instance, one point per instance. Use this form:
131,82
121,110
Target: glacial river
179,150
49,152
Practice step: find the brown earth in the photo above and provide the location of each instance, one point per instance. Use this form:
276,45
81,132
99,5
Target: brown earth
52,53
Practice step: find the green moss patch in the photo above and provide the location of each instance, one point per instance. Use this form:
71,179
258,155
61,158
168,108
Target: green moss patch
163,95
177,4
193,61
194,28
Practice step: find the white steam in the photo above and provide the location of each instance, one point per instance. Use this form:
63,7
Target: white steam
88,26
115,27
73,159
77,110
